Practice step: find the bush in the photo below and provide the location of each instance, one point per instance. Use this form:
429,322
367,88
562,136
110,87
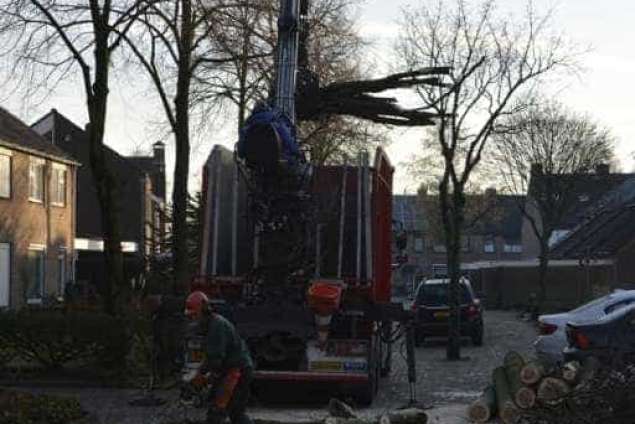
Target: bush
24,408
55,338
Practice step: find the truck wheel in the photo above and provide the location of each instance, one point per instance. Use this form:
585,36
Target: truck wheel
366,393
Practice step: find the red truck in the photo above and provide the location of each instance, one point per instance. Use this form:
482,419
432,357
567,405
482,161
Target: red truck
311,294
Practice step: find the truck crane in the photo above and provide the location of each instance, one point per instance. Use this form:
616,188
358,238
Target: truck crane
300,253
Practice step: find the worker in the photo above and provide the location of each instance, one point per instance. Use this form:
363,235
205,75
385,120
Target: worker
227,361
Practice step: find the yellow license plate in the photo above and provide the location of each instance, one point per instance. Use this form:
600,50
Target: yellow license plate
326,366
441,315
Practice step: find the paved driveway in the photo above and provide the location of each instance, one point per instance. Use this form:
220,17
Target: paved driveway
447,386
441,382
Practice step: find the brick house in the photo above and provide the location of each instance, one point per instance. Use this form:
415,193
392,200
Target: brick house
493,237
142,200
37,215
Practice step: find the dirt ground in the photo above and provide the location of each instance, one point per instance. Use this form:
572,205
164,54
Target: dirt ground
447,387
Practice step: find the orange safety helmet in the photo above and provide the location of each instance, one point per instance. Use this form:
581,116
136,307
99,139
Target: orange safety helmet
196,305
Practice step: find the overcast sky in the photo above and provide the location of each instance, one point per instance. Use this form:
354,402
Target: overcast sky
607,90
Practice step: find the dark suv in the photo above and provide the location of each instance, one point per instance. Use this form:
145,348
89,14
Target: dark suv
430,306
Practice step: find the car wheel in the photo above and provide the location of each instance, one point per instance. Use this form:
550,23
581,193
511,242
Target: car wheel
477,336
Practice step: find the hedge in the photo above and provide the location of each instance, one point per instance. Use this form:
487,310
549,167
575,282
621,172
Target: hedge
25,408
53,337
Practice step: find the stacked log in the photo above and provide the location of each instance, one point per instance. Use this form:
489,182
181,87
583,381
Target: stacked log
552,390
507,410
524,397
518,386
484,409
532,373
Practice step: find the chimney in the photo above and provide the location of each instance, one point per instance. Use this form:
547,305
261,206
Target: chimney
536,169
602,169
158,178
158,149
490,192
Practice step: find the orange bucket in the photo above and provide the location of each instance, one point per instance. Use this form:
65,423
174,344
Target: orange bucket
324,298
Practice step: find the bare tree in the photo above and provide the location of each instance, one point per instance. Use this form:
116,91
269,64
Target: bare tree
540,151
49,42
173,43
493,59
331,49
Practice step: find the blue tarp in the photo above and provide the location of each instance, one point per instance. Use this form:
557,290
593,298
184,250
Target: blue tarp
265,115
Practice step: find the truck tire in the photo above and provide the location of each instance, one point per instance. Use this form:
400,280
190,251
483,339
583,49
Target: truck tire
365,394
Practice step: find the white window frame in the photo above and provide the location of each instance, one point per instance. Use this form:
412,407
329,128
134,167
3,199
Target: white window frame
42,250
439,248
54,190
512,248
4,153
39,162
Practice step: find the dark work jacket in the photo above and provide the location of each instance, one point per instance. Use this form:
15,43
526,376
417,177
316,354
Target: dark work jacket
225,348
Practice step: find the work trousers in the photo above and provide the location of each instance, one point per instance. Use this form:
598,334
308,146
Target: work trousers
236,408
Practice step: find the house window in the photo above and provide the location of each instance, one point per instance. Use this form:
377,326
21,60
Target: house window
58,185
418,245
512,248
36,180
5,174
465,244
35,274
438,247
489,245
61,272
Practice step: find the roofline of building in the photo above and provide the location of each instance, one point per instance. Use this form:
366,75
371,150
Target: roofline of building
106,147
16,146
531,263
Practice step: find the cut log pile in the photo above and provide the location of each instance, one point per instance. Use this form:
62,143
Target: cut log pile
519,385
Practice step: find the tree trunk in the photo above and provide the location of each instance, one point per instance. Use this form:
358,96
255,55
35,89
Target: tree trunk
182,165
543,267
453,247
106,182
507,410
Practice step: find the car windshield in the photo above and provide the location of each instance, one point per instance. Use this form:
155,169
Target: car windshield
437,295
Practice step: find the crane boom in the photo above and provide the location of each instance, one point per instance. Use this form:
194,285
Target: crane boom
287,57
